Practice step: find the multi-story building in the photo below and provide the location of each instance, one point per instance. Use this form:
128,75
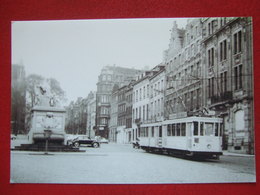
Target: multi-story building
91,114
183,70
76,116
121,120
147,97
18,99
140,103
110,75
228,73
129,107
113,115
156,96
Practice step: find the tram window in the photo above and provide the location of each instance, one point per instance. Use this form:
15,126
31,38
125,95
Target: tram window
201,129
160,131
221,130
169,130
152,131
173,130
216,129
183,129
208,129
141,132
146,132
196,128
178,129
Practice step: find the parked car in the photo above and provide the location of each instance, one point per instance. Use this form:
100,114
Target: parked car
103,140
85,140
13,137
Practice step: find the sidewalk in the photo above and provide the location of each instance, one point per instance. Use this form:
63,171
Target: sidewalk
226,153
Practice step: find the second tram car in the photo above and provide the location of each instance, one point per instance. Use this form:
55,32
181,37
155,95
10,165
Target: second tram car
192,136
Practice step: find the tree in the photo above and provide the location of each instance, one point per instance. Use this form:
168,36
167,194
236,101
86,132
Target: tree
32,82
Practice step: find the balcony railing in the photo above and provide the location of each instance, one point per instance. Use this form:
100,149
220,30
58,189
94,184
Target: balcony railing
228,95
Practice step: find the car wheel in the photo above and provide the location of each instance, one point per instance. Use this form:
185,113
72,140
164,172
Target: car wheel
95,145
76,144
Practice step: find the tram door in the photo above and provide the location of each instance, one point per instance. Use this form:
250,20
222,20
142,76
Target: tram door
189,132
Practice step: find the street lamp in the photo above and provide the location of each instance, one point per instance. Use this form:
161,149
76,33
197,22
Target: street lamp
47,135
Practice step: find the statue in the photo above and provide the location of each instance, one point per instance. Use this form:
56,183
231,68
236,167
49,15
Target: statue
44,96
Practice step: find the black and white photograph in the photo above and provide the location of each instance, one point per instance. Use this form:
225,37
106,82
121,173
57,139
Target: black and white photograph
132,101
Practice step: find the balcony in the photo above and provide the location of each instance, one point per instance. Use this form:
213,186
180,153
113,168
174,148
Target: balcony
138,121
228,95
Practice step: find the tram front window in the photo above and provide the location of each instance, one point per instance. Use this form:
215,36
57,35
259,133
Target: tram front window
196,128
209,129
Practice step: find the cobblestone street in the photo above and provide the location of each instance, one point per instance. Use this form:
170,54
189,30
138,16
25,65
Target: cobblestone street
118,163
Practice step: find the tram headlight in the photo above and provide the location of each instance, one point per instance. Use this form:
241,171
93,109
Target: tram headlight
209,146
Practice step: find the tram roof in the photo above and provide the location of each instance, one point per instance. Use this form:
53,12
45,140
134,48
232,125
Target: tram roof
183,120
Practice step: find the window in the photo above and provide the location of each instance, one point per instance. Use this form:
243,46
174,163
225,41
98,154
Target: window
147,106
196,128
238,77
237,42
216,129
178,128
198,98
208,129
173,130
143,112
183,129
201,129
211,27
191,100
152,131
159,108
223,50
225,81
211,57
169,130
211,87
144,92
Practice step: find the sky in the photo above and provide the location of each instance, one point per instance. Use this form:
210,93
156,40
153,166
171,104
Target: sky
74,51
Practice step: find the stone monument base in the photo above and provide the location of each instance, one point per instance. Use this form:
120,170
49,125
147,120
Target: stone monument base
52,147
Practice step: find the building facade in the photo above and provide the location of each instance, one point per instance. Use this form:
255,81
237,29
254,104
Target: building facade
91,114
183,71
113,115
110,75
228,87
156,96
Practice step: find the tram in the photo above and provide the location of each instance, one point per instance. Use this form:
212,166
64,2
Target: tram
191,136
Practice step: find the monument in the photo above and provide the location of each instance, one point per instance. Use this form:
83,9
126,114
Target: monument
47,131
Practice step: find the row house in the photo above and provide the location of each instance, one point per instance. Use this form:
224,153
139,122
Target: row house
148,98
183,71
156,96
121,114
120,125
113,115
91,114
228,73
109,76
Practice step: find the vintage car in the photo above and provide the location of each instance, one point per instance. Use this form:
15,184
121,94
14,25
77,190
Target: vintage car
84,140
